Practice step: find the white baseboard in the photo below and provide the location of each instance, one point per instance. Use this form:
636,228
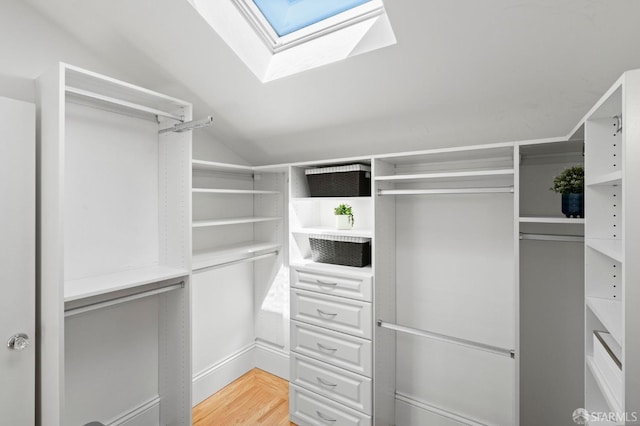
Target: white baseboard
272,359
414,412
219,375
145,414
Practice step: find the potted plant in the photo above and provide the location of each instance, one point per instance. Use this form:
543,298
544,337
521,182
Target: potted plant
344,216
570,183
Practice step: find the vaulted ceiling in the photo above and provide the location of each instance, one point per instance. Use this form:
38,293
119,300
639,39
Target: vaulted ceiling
462,72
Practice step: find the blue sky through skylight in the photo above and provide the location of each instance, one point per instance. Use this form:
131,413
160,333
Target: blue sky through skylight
287,16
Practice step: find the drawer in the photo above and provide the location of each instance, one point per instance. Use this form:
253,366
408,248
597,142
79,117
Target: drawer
345,387
337,313
351,286
308,408
342,350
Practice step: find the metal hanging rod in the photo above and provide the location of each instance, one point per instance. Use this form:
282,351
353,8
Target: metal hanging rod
445,191
235,262
510,353
552,237
188,125
123,299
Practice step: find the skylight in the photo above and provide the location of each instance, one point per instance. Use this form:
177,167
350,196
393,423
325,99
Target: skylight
278,38
287,16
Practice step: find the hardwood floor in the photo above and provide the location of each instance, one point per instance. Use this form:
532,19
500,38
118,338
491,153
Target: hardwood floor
257,398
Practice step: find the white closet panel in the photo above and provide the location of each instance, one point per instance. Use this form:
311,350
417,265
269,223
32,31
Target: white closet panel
455,266
467,382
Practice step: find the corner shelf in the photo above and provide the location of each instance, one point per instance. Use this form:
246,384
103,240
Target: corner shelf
552,219
109,283
609,312
207,258
233,221
610,399
610,248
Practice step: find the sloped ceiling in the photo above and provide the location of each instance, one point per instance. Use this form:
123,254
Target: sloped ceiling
463,72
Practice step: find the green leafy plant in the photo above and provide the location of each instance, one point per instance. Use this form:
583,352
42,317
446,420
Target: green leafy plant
570,181
345,210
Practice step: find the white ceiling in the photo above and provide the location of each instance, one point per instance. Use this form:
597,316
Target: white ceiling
462,72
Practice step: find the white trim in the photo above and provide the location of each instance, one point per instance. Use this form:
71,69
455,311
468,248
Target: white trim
412,402
142,409
272,359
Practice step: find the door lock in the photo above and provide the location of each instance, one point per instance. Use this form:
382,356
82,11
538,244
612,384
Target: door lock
18,342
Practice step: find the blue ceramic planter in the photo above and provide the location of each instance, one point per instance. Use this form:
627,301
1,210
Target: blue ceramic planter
573,205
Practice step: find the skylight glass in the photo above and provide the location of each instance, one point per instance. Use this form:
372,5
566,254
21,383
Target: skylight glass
287,16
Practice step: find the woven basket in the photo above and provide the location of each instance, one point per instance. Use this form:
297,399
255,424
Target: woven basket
338,250
342,181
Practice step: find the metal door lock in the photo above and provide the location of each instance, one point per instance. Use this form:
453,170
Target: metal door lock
18,342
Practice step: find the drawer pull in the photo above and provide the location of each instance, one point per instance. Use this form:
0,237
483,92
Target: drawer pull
324,348
325,314
322,382
326,283
325,418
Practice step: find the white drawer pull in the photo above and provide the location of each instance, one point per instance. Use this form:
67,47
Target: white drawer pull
325,314
326,283
324,348
322,382
325,418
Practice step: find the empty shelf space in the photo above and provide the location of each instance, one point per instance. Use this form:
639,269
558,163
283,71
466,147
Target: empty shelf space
233,221
231,253
610,248
609,179
606,392
220,167
108,283
86,95
365,233
551,219
416,177
609,312
328,268
232,191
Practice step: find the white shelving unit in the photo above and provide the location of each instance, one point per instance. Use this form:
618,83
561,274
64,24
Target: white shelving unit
114,235
612,136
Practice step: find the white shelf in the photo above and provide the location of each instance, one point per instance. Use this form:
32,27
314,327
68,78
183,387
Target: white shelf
220,167
232,191
609,179
329,268
231,253
610,248
365,233
437,191
550,219
606,392
108,283
346,199
445,175
233,221
609,312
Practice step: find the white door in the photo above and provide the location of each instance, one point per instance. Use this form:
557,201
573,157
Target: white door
17,262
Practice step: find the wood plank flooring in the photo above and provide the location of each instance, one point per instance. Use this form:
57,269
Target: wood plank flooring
257,398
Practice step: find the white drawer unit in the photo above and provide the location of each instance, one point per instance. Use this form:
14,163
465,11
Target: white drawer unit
337,313
308,408
349,352
351,286
350,389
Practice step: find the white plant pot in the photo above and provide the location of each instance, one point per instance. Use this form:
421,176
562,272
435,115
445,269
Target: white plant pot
343,221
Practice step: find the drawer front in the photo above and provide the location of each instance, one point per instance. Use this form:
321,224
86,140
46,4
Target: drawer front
349,352
345,387
353,287
308,408
337,313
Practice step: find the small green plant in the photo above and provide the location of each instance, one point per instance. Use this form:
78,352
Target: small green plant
570,181
345,210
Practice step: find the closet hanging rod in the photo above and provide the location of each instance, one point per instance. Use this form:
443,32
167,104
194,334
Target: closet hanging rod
120,103
235,262
445,191
510,353
189,125
552,237
118,300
